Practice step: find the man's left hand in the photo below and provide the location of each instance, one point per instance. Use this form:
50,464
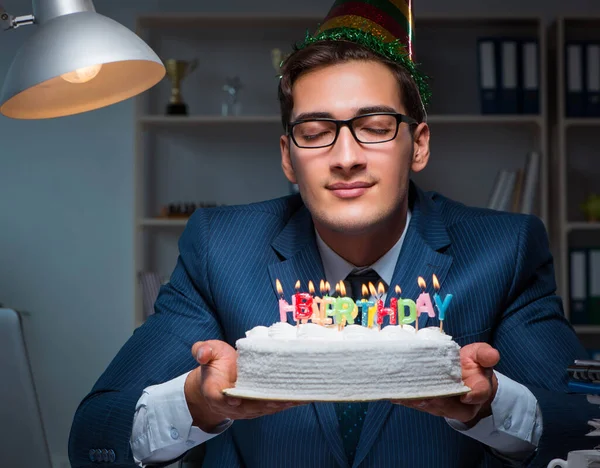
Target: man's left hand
477,361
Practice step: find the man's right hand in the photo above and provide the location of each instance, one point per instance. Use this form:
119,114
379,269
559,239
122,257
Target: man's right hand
204,388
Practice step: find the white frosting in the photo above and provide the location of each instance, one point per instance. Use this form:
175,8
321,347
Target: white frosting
320,363
258,332
282,331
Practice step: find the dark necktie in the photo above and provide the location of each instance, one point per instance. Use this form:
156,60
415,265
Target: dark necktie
351,416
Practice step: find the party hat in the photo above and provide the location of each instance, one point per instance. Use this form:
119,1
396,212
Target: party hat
384,26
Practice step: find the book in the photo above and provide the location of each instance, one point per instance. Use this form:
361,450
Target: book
530,182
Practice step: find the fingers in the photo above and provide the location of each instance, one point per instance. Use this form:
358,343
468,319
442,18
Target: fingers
249,409
480,353
449,407
206,351
487,356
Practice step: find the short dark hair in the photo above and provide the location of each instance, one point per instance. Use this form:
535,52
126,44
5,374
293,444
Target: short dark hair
325,53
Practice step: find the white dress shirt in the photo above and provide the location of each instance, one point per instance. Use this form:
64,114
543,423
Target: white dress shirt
163,431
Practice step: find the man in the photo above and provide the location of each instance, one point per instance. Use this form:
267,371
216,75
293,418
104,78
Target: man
355,129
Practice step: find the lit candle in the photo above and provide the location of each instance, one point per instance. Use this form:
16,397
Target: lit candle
333,311
344,307
442,306
302,305
372,310
284,307
383,311
365,306
326,303
424,304
412,312
316,315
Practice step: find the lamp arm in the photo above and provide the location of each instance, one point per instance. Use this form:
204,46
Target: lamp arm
8,21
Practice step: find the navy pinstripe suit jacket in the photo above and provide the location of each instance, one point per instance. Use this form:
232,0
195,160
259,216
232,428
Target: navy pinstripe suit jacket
497,265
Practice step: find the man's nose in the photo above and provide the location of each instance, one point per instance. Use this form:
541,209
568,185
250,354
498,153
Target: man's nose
348,153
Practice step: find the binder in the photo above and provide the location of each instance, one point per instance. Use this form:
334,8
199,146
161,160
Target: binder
488,75
574,69
594,286
530,77
592,66
509,92
578,270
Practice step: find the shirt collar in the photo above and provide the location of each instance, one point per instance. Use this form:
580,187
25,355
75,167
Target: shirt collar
336,268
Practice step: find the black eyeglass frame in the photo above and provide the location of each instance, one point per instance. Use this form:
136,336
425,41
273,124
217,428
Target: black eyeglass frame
348,123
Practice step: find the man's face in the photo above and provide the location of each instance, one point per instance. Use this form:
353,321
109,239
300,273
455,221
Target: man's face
351,187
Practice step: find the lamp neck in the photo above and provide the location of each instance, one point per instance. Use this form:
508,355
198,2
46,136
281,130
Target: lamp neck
45,10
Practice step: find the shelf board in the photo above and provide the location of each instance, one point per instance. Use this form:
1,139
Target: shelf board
582,226
191,19
582,122
162,222
169,20
194,120
485,119
587,329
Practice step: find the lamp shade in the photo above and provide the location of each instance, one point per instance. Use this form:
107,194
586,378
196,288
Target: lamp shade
35,88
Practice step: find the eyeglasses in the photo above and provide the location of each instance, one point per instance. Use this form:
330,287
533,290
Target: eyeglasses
367,129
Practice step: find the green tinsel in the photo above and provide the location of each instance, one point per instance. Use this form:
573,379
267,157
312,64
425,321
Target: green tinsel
393,51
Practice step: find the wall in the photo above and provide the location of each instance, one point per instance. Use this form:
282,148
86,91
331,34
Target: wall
66,213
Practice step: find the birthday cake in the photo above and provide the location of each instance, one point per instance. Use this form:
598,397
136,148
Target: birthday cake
311,362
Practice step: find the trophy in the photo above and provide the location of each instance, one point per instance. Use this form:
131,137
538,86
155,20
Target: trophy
231,106
177,70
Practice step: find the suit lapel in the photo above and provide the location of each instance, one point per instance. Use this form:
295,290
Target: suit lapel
419,256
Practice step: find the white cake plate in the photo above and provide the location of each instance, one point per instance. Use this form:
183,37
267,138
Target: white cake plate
254,395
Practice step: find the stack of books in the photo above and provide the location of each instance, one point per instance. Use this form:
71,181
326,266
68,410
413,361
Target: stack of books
516,190
584,378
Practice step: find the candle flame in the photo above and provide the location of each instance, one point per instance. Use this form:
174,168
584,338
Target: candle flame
380,289
342,289
327,287
337,288
436,283
398,290
297,286
311,287
322,287
278,287
422,283
372,290
365,290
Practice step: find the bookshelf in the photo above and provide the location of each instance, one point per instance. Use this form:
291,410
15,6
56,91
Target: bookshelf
575,172
235,159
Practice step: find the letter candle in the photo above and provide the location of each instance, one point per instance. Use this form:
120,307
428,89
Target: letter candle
394,303
383,311
373,310
284,307
423,302
365,306
325,303
442,306
302,305
333,312
344,307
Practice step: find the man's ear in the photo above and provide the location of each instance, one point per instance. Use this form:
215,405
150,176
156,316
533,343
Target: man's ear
286,159
420,148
